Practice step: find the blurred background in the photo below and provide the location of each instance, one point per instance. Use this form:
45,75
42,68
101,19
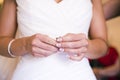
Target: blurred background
7,65
1,1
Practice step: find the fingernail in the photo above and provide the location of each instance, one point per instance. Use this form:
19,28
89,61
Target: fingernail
59,39
75,55
61,50
58,45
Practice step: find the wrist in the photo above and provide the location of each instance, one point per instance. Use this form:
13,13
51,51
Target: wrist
9,48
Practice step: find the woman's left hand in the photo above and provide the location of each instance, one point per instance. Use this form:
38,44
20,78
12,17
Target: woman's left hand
76,45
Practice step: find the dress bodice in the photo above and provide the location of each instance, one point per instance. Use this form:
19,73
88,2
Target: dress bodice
53,19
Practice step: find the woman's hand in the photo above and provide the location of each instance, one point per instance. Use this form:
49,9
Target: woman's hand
73,44
40,45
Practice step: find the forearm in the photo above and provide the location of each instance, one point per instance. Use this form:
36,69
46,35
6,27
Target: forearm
111,9
96,48
17,47
110,70
8,25
3,46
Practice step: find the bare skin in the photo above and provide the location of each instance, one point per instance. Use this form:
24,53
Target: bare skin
41,45
8,26
58,1
112,9
78,43
107,71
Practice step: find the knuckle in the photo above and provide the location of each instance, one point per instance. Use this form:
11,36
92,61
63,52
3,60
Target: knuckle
44,36
37,35
33,42
33,50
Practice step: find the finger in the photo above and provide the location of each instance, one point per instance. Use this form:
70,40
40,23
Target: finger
38,55
46,39
73,37
77,58
59,39
44,46
75,44
78,50
41,51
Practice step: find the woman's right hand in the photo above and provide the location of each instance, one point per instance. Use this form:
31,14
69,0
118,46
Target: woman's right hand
40,45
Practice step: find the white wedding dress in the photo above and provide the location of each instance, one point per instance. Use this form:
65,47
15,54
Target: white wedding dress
53,19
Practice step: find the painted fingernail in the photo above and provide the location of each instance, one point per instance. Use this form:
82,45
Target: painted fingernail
75,55
61,50
58,45
59,39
